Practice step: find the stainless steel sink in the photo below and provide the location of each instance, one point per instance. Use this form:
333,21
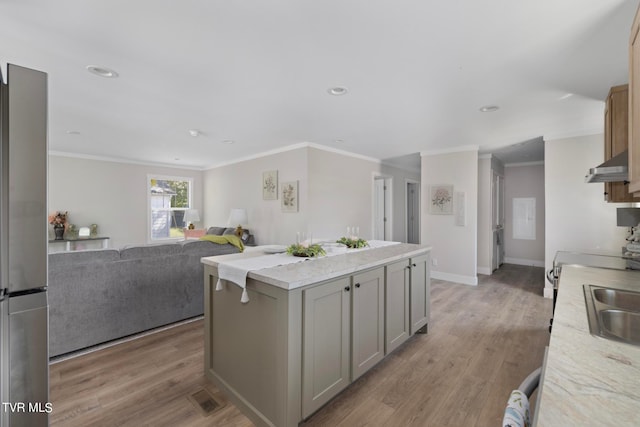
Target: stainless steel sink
622,324
624,300
613,313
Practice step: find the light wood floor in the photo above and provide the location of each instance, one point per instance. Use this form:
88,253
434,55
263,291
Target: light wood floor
482,342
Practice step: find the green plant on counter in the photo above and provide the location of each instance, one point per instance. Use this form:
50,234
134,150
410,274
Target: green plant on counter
306,251
353,243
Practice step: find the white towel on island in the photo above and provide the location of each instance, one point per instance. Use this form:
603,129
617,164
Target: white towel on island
236,271
233,274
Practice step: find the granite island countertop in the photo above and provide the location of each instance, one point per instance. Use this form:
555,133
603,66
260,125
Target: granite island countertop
311,271
588,380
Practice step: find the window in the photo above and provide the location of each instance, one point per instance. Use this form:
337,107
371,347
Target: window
169,198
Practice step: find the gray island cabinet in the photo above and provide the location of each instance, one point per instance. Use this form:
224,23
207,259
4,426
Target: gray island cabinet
311,328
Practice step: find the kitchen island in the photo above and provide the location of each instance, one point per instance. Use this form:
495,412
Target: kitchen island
310,328
588,380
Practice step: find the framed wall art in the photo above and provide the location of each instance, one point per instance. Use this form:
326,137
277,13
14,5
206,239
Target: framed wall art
289,196
270,185
441,200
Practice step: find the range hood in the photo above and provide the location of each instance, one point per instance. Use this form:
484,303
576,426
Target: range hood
613,170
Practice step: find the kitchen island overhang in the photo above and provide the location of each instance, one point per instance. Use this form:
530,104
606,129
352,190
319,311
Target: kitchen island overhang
310,328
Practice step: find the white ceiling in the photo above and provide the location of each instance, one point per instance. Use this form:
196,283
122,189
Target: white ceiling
257,73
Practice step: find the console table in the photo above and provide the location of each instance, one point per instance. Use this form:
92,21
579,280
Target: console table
70,244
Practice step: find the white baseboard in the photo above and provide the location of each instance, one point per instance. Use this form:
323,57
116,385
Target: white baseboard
485,270
548,292
522,261
456,278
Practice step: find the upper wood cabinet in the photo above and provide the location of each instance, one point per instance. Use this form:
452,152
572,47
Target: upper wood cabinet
634,107
616,138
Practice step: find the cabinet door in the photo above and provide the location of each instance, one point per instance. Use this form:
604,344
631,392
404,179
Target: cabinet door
326,336
368,321
607,143
420,292
634,107
396,304
616,138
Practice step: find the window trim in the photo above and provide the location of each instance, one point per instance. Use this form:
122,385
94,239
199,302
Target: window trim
151,176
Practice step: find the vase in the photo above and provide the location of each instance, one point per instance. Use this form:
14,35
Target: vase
59,232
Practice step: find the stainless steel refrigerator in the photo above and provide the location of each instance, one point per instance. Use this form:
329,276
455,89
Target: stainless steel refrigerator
24,317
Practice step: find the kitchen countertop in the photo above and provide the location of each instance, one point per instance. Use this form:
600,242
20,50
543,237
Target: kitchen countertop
588,380
602,259
300,274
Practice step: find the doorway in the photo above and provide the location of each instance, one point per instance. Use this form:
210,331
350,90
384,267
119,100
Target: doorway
413,211
382,203
497,214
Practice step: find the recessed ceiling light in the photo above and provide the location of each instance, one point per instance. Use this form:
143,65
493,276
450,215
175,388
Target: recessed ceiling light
73,132
228,141
102,71
489,108
566,96
338,141
194,132
337,91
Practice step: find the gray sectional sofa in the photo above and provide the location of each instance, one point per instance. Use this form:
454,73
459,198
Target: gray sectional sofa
96,296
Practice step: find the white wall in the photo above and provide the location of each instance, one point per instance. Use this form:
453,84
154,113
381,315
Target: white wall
335,189
524,180
110,194
239,185
454,248
577,217
342,193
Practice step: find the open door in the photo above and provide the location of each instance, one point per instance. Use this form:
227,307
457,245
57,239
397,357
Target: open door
413,212
497,202
381,208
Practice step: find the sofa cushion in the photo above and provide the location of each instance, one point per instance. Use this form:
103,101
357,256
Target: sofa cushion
83,257
84,303
96,296
217,231
149,251
230,230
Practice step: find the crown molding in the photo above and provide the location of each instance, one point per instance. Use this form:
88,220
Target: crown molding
515,165
291,148
463,148
576,134
119,160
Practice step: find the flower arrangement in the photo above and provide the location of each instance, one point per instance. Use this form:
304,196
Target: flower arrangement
353,242
304,250
58,219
